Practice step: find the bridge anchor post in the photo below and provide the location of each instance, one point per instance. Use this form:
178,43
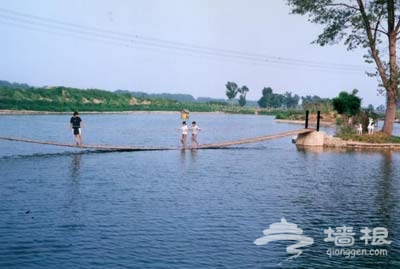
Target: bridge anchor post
306,124
312,139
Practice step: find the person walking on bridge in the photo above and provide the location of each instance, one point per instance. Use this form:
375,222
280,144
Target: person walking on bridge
195,130
76,124
184,129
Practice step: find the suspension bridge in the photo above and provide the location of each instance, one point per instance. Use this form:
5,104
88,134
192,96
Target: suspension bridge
215,145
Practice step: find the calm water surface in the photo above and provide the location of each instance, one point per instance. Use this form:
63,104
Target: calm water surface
71,208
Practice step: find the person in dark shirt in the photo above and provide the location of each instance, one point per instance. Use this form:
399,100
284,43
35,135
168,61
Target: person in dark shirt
76,124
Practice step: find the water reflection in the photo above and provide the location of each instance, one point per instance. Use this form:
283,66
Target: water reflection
310,149
192,152
385,188
319,149
72,193
385,199
183,155
75,165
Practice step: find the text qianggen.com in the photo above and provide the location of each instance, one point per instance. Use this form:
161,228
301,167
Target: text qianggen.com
351,253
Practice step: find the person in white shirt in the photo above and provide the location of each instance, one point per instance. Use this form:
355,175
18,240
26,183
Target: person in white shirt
195,130
184,130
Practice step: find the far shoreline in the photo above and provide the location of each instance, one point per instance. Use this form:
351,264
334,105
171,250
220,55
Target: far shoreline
37,112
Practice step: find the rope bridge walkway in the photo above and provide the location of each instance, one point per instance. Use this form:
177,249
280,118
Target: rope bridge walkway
255,139
133,148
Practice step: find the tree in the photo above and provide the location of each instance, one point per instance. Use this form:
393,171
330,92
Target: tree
315,103
275,100
270,99
291,101
231,90
347,104
242,98
362,24
370,108
266,99
380,109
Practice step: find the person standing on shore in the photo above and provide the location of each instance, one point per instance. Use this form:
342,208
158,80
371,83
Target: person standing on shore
195,131
76,124
184,130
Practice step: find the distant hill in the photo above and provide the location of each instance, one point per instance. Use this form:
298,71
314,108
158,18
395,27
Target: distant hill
6,84
167,96
17,96
174,96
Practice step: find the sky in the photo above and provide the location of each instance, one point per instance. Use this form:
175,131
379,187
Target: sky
176,46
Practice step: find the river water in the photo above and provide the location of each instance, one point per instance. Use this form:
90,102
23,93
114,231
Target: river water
73,208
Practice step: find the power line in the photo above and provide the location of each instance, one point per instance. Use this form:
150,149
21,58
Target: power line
129,40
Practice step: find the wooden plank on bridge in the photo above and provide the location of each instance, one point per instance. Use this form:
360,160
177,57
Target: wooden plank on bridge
134,148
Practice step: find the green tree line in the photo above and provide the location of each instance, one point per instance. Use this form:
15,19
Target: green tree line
64,99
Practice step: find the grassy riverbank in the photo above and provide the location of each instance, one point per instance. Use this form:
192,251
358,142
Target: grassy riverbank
348,133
